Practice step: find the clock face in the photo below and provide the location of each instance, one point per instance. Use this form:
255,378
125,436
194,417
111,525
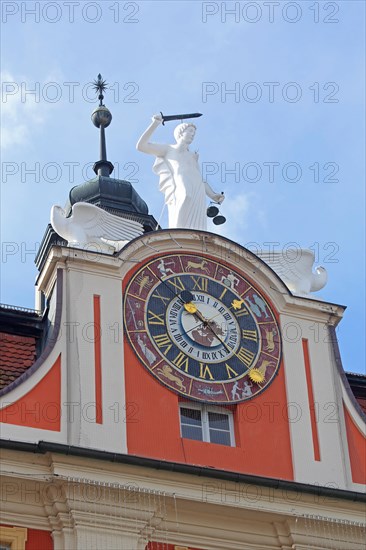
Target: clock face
202,328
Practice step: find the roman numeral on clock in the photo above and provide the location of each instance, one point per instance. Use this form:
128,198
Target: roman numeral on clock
181,361
164,299
155,318
205,371
242,312
163,341
200,283
223,294
177,283
250,335
230,371
245,356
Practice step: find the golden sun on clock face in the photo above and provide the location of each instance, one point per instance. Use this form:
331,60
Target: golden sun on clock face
201,328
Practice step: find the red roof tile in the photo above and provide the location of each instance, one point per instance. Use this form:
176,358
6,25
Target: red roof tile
362,403
17,354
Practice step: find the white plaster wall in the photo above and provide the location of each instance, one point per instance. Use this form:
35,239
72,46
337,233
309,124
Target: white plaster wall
331,469
82,285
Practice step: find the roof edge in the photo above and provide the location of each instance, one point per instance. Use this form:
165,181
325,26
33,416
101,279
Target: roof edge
43,447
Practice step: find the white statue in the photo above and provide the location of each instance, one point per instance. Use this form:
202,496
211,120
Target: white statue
180,177
89,225
295,267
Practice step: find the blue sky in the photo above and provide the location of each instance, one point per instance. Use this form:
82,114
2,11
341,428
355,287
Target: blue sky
296,72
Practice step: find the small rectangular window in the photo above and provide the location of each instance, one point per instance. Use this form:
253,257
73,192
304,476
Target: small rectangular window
206,423
191,424
219,428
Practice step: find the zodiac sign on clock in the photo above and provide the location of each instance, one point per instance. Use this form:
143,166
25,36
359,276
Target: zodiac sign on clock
150,356
167,372
209,392
144,281
270,334
198,265
258,307
164,270
245,390
131,314
229,280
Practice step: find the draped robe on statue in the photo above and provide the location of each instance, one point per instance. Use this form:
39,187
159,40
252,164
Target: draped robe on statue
181,182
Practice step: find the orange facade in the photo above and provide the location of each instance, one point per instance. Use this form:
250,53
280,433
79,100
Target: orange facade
261,428
357,449
41,406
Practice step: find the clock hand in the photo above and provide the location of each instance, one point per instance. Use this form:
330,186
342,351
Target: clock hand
192,308
185,296
207,323
219,339
236,304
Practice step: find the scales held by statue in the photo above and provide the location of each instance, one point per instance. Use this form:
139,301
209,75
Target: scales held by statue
213,212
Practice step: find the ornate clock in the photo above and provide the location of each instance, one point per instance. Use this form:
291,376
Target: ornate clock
201,328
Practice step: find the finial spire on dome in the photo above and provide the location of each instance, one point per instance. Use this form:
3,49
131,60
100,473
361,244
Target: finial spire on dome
102,117
100,86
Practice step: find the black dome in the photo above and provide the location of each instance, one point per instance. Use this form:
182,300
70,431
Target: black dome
117,196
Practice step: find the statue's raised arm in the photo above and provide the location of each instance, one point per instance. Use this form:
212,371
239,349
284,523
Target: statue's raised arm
145,146
180,177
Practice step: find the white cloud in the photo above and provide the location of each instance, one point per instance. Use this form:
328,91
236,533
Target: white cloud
17,117
236,211
20,112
